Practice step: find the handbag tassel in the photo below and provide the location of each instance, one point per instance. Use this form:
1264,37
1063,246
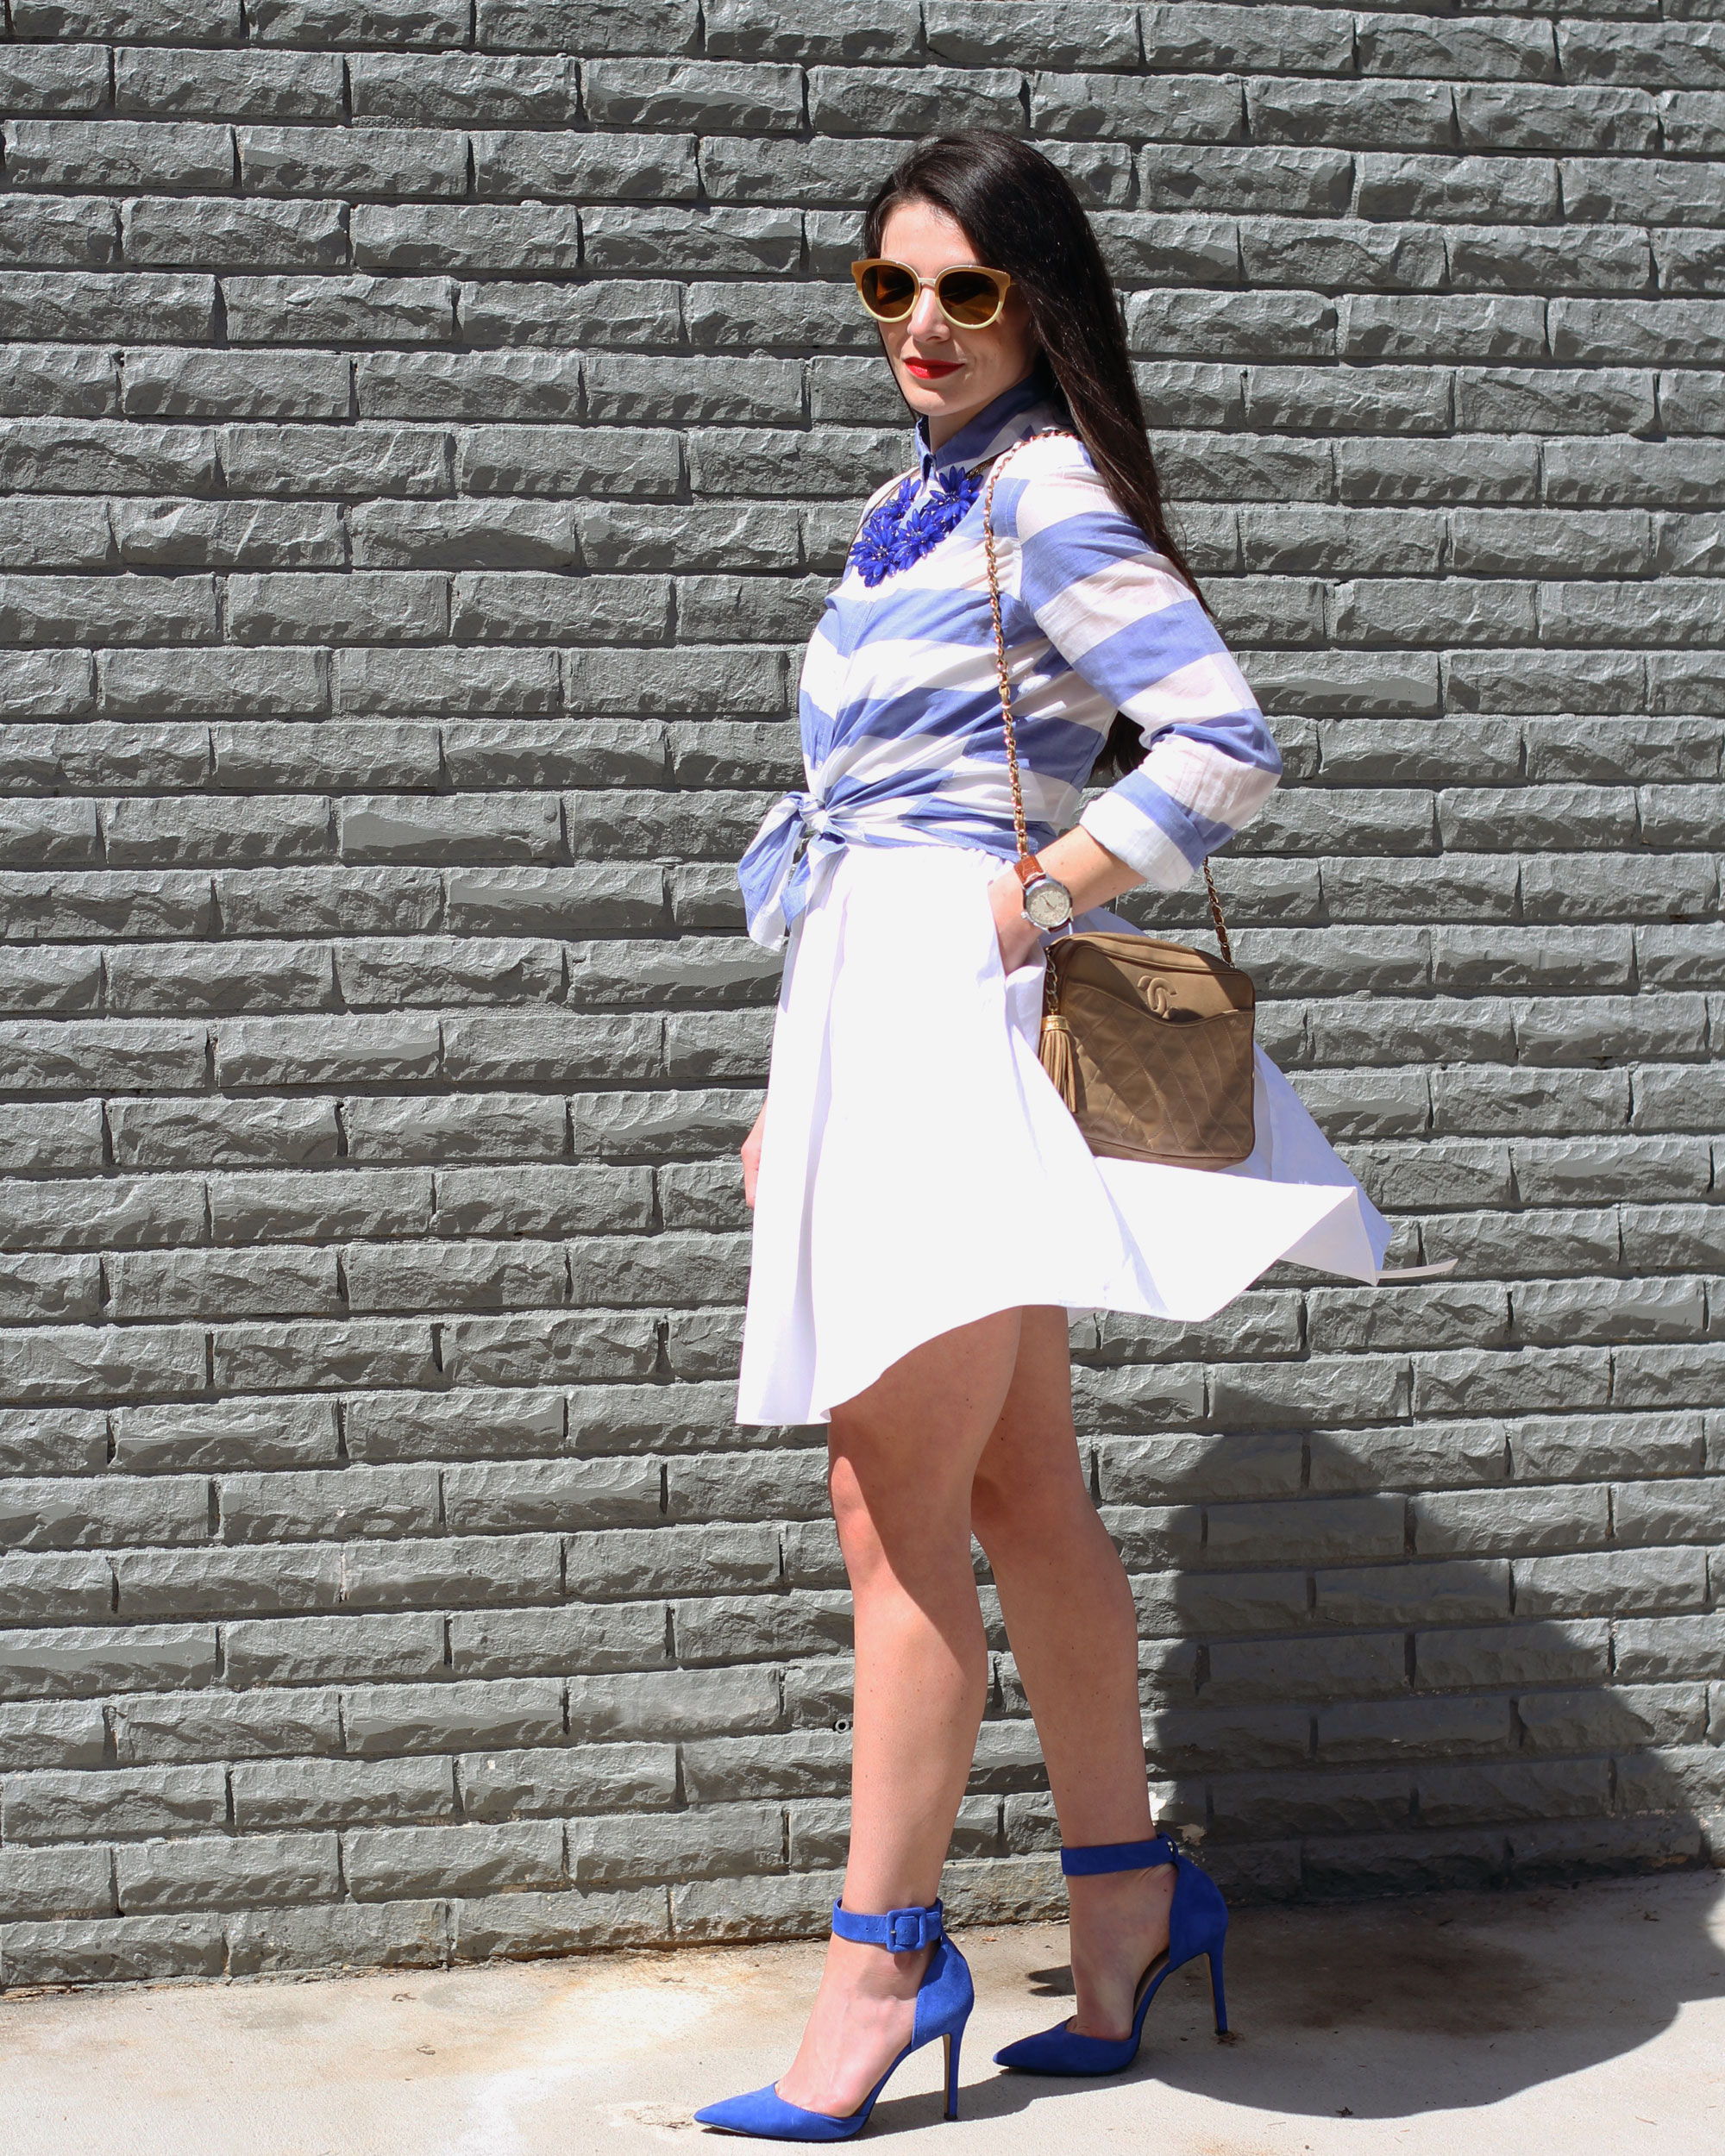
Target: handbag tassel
1055,1049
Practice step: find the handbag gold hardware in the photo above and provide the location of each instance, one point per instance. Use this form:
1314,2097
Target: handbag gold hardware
1148,1043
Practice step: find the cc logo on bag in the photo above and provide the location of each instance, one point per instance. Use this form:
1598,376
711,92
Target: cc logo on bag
1160,997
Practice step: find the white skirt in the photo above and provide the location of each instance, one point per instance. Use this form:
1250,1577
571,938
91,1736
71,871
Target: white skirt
920,1171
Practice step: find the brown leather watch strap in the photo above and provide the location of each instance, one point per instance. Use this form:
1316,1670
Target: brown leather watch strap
1028,868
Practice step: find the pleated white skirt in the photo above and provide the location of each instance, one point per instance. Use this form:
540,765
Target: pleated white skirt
919,1170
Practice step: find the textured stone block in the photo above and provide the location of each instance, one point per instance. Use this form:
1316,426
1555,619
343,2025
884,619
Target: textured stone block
399,1936
386,1719
214,1871
1314,1668
467,236
1625,1719
1535,1650
266,310
221,1723
324,1650
578,1346
446,89
559,315
395,1863
452,1425
577,1641
1577,1447
49,79
55,1883
102,1510
720,1630
74,306
57,1441
1631,1581
577,1495
75,1362
71,1662
104,1951
56,1588
673,1705
359,1503
517,1926
710,1842
222,235
284,85
327,1355
357,162
598,1778
143,1803
113,153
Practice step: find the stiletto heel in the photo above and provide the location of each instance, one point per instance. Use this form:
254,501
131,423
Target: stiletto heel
944,2001
1197,1923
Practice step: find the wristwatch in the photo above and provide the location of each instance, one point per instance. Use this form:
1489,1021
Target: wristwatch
1047,902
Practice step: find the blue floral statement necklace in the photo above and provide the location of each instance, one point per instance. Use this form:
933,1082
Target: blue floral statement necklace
895,535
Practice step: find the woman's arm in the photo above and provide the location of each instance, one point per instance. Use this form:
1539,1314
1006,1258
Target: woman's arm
1127,625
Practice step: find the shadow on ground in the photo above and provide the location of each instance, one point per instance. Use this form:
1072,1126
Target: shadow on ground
1433,2003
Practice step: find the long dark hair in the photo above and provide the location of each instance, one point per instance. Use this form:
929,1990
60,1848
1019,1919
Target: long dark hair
1021,216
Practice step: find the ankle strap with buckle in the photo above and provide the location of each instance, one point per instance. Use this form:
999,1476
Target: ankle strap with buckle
900,1931
1116,1855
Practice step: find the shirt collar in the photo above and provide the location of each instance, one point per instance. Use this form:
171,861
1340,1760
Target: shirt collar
1016,411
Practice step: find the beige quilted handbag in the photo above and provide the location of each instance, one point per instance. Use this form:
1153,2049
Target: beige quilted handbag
1149,1043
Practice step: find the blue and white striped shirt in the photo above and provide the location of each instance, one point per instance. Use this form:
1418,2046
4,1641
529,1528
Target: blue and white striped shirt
900,704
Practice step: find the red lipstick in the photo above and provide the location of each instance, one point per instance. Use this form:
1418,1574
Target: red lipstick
931,370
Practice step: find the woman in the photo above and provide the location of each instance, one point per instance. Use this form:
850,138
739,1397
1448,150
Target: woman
927,1213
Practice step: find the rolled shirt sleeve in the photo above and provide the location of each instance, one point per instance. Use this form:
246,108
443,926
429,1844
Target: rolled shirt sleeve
1120,616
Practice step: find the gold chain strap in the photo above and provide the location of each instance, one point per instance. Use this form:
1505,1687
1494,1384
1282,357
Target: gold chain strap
1216,915
1008,727
1007,724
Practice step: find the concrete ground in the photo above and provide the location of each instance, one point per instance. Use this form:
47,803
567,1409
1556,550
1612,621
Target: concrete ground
1571,2020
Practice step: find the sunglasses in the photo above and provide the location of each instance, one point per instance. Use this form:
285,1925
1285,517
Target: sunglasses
970,296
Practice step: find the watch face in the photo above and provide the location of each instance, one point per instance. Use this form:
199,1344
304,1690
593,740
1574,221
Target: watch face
1048,903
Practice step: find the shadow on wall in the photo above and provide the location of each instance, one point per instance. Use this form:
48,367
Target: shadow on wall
1476,1654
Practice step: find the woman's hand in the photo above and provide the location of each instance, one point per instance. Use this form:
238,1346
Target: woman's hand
1017,935
751,1157
1089,872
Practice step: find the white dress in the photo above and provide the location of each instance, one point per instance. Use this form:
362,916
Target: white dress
919,1170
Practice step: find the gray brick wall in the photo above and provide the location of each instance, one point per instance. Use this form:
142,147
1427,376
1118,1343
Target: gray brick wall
430,429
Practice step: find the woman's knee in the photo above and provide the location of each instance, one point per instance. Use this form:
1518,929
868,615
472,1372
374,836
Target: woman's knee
859,1532
851,1512
887,1530
902,1469
1016,1492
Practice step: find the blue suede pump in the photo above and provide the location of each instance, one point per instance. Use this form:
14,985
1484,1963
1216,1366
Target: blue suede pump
1197,1923
944,2001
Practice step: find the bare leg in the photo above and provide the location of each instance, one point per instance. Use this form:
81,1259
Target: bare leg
902,1457
1074,1630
